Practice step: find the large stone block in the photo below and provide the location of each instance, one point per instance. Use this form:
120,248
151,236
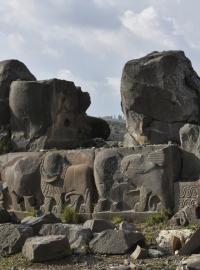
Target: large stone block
56,115
159,95
115,242
140,178
13,237
46,248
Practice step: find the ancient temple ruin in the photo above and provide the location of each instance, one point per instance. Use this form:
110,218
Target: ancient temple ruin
52,164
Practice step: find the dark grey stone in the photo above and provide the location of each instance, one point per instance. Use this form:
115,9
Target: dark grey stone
5,216
160,93
192,246
56,116
115,242
36,222
98,225
13,237
79,237
46,248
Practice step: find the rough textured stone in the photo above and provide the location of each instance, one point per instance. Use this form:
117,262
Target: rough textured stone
46,248
186,215
36,222
192,245
115,242
12,238
139,253
23,182
160,93
192,263
79,237
10,70
56,115
190,143
98,225
121,177
165,238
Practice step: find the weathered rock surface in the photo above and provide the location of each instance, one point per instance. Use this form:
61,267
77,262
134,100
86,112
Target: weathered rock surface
79,237
46,248
98,225
140,178
190,143
13,237
22,178
165,239
192,245
36,222
56,116
160,93
115,242
192,263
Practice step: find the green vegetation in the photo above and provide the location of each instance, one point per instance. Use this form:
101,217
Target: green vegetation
5,145
70,216
161,217
31,213
14,261
116,219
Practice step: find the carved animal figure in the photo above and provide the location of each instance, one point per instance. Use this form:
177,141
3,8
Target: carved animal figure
22,179
80,188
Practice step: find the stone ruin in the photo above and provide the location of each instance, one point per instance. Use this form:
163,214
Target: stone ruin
157,167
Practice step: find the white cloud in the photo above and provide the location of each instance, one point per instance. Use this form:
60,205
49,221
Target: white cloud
148,25
114,83
88,42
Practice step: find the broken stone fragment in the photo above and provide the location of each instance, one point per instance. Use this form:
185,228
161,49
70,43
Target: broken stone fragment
98,225
46,248
115,242
139,253
169,240
13,237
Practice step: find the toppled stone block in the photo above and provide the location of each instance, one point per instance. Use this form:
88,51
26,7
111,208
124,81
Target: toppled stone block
98,225
13,237
115,242
46,248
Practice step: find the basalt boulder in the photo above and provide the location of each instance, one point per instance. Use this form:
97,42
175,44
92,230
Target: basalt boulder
52,113
160,94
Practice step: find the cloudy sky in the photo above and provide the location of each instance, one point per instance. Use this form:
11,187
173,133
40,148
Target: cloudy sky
89,41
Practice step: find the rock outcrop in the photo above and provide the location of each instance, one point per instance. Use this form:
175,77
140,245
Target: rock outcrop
160,94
